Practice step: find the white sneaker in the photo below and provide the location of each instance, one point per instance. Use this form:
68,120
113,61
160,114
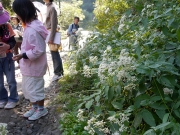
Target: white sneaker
38,114
11,105
56,77
2,104
30,112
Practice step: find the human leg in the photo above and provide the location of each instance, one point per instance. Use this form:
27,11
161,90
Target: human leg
3,91
57,63
9,71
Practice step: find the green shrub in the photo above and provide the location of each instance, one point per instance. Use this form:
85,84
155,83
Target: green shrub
134,70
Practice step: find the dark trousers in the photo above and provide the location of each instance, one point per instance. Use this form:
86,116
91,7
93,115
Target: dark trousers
57,63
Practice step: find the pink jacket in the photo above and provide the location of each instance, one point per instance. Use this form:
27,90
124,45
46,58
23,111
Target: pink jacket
35,48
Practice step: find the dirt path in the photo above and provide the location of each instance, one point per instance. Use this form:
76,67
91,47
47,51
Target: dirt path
48,125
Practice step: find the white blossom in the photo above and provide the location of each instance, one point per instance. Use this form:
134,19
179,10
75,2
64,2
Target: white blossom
87,71
168,91
93,59
130,87
80,115
116,133
72,69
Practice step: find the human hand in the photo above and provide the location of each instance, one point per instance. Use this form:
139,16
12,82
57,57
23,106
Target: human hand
17,57
50,42
4,47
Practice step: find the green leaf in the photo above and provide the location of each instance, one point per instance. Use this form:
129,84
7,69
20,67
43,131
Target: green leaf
139,98
118,89
137,120
130,109
145,22
89,104
97,99
177,105
168,81
155,98
170,22
148,118
160,113
116,12
177,59
111,93
177,113
158,106
178,34
150,132
106,91
117,105
165,118
155,65
166,31
161,126
98,110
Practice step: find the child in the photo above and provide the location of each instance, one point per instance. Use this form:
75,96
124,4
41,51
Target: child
33,60
17,28
7,68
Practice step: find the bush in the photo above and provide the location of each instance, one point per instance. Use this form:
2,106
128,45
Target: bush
134,72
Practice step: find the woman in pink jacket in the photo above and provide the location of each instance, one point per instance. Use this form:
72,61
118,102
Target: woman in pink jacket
33,60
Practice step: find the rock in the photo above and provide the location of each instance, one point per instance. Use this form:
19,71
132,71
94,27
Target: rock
17,128
17,132
56,132
36,128
9,133
29,131
28,122
48,133
41,121
11,124
31,125
14,116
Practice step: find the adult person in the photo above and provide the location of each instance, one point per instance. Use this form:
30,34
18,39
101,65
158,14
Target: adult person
73,28
39,14
18,30
7,42
51,23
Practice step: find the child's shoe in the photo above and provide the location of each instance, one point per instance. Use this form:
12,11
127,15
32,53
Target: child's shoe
30,112
2,104
38,114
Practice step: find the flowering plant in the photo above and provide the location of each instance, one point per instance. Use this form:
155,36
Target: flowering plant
135,72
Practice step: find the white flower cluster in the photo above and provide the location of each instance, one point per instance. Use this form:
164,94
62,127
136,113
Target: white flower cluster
125,59
120,68
120,121
168,91
93,123
116,133
72,69
87,71
80,115
121,24
130,87
93,59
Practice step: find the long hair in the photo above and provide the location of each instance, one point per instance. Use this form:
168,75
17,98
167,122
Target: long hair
25,9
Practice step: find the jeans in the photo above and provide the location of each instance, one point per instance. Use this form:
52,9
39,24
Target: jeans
7,68
57,63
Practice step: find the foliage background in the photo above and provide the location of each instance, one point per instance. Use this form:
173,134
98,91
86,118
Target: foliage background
134,73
